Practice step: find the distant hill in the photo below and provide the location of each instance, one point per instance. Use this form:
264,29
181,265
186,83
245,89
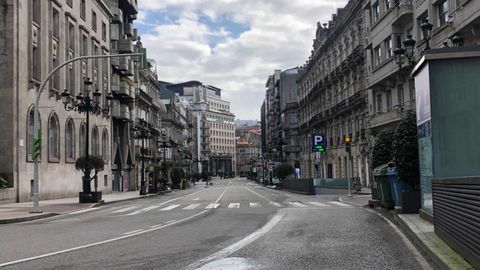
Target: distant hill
239,122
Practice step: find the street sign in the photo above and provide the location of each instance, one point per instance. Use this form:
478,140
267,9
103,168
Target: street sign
319,143
36,148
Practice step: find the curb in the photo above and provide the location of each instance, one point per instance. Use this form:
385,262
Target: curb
102,202
343,201
23,219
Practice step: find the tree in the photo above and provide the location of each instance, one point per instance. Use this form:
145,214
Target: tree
177,176
405,150
283,170
382,149
93,162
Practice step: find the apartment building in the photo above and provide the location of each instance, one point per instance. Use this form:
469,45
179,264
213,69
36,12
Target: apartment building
332,98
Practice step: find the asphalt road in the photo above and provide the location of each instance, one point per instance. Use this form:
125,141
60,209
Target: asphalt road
234,224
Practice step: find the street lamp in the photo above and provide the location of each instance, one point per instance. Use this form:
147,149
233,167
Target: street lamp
408,51
426,27
143,134
163,144
88,105
457,40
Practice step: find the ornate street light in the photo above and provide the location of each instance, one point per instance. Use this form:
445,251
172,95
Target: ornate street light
408,51
457,40
426,27
143,134
87,104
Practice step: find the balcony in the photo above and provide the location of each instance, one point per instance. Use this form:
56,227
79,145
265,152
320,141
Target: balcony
123,63
128,28
115,32
117,15
124,88
125,46
124,112
115,83
404,13
387,117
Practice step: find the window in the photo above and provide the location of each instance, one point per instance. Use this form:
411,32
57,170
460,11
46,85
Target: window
104,31
442,12
388,47
377,56
82,141
53,139
379,103
30,134
70,141
84,45
398,41
94,21
83,9
95,141
387,4
36,11
55,23
401,97
376,12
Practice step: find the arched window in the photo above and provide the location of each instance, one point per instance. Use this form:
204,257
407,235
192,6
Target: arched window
30,134
95,144
70,141
105,145
83,137
53,138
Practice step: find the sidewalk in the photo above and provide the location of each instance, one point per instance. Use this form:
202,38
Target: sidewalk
19,212
421,233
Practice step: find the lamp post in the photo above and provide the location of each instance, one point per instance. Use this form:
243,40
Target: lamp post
88,105
142,133
426,27
36,119
164,147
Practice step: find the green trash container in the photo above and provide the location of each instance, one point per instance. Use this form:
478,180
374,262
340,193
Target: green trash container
384,192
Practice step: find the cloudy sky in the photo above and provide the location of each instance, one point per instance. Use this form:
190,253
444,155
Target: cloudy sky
231,44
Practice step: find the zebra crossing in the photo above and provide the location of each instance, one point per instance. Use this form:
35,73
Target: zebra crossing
136,210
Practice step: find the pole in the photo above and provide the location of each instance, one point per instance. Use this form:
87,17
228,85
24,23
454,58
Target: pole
36,115
142,181
86,175
351,174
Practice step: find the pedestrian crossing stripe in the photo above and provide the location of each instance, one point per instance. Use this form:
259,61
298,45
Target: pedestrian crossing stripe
170,207
193,206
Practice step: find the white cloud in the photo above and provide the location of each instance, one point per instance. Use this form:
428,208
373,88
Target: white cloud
279,37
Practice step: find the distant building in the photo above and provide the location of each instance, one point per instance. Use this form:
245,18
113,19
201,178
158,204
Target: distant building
248,148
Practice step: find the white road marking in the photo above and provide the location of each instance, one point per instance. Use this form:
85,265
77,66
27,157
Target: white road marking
254,205
240,244
297,204
132,232
170,207
196,199
170,221
155,226
125,209
191,206
82,211
212,206
318,204
339,204
163,203
221,195
234,205
276,204
143,210
98,243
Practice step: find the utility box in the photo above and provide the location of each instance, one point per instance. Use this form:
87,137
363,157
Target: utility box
447,85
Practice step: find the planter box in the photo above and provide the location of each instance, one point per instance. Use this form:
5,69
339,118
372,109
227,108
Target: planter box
90,197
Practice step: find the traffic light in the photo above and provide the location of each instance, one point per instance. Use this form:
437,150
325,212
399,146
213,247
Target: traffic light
348,146
36,148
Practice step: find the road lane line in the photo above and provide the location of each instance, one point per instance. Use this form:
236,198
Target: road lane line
255,205
170,222
318,204
163,203
240,244
125,209
191,206
196,199
259,195
234,205
297,204
132,232
99,243
82,211
340,204
170,207
276,204
221,195
155,226
212,206
143,210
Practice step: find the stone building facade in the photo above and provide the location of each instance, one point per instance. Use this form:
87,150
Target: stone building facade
248,149
332,98
273,146
37,36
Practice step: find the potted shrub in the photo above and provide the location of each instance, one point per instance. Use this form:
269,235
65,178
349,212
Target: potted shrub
86,165
3,183
382,154
405,155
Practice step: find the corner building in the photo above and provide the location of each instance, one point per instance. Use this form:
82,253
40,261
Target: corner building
332,98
